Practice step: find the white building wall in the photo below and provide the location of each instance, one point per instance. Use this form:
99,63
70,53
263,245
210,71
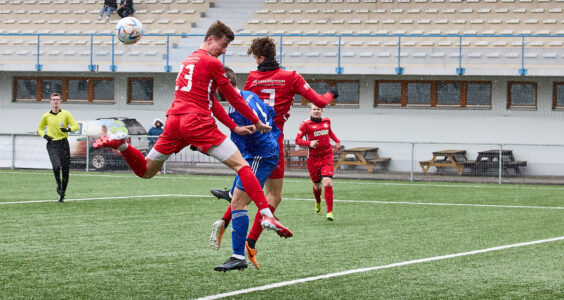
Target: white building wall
359,123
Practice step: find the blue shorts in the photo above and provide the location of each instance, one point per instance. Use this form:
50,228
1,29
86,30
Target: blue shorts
261,166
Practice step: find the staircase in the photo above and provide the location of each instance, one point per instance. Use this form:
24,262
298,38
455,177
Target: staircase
234,13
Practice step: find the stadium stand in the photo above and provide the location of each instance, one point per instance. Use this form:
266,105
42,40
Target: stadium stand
369,24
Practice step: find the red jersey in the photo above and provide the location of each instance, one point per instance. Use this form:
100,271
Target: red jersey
278,87
320,131
200,75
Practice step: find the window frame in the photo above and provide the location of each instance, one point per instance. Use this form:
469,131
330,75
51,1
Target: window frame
64,89
333,83
129,93
555,105
520,106
433,94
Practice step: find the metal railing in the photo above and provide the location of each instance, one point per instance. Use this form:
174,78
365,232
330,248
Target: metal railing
533,163
461,68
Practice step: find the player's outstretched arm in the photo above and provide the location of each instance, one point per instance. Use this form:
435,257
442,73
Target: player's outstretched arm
222,115
312,96
244,130
236,100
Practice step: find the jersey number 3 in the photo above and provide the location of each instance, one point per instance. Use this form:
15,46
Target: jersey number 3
271,96
188,76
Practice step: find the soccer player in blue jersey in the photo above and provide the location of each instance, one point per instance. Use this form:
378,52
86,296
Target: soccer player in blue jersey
261,151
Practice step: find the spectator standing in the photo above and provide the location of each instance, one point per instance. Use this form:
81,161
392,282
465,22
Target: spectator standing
109,7
54,127
155,131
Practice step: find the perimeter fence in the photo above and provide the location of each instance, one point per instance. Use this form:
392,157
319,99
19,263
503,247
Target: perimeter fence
382,160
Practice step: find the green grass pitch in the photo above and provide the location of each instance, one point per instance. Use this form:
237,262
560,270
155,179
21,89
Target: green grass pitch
121,237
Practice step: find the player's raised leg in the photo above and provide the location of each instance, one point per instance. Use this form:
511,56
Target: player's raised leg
141,166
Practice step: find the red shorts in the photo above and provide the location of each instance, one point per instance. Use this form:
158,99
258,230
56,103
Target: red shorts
189,129
279,170
319,167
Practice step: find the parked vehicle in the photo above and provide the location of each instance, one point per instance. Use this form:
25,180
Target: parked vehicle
105,158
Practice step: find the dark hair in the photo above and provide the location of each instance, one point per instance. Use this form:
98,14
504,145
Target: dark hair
231,76
263,47
220,30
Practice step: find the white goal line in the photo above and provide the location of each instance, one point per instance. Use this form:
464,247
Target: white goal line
361,270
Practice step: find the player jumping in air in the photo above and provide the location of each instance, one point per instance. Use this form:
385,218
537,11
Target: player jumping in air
317,132
189,122
276,87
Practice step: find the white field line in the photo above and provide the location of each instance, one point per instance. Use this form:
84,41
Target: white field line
361,270
336,182
294,199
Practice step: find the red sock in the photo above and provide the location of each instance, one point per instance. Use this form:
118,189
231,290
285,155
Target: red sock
317,194
329,198
256,229
135,160
227,215
252,187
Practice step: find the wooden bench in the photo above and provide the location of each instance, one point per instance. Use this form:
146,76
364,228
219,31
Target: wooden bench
446,158
363,156
492,167
487,162
297,159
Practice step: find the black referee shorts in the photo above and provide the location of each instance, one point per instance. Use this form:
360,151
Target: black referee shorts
59,153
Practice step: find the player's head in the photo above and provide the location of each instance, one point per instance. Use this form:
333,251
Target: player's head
230,74
262,48
217,39
315,111
55,100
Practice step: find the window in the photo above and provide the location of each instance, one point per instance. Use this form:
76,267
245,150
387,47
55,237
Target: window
448,93
77,89
522,94
432,93
49,86
388,92
349,91
140,90
558,96
418,93
478,94
25,89
72,89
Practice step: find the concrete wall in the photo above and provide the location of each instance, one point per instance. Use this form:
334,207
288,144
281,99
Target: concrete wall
359,123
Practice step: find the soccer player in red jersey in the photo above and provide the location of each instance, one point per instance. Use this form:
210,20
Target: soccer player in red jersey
276,87
190,122
317,132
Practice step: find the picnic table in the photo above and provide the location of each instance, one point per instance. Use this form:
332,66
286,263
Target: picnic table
487,162
446,158
295,156
362,156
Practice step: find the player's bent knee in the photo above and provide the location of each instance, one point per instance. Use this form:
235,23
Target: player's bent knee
226,152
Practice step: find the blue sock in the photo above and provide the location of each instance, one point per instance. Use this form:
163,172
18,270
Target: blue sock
239,227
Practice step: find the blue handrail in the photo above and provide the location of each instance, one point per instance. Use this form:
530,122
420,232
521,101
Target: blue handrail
338,70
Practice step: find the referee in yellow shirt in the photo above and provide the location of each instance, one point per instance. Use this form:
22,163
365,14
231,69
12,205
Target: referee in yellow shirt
54,127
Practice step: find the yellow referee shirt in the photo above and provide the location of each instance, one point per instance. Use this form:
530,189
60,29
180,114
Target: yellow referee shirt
54,123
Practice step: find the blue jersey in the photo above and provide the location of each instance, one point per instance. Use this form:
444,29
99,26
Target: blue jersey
256,144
